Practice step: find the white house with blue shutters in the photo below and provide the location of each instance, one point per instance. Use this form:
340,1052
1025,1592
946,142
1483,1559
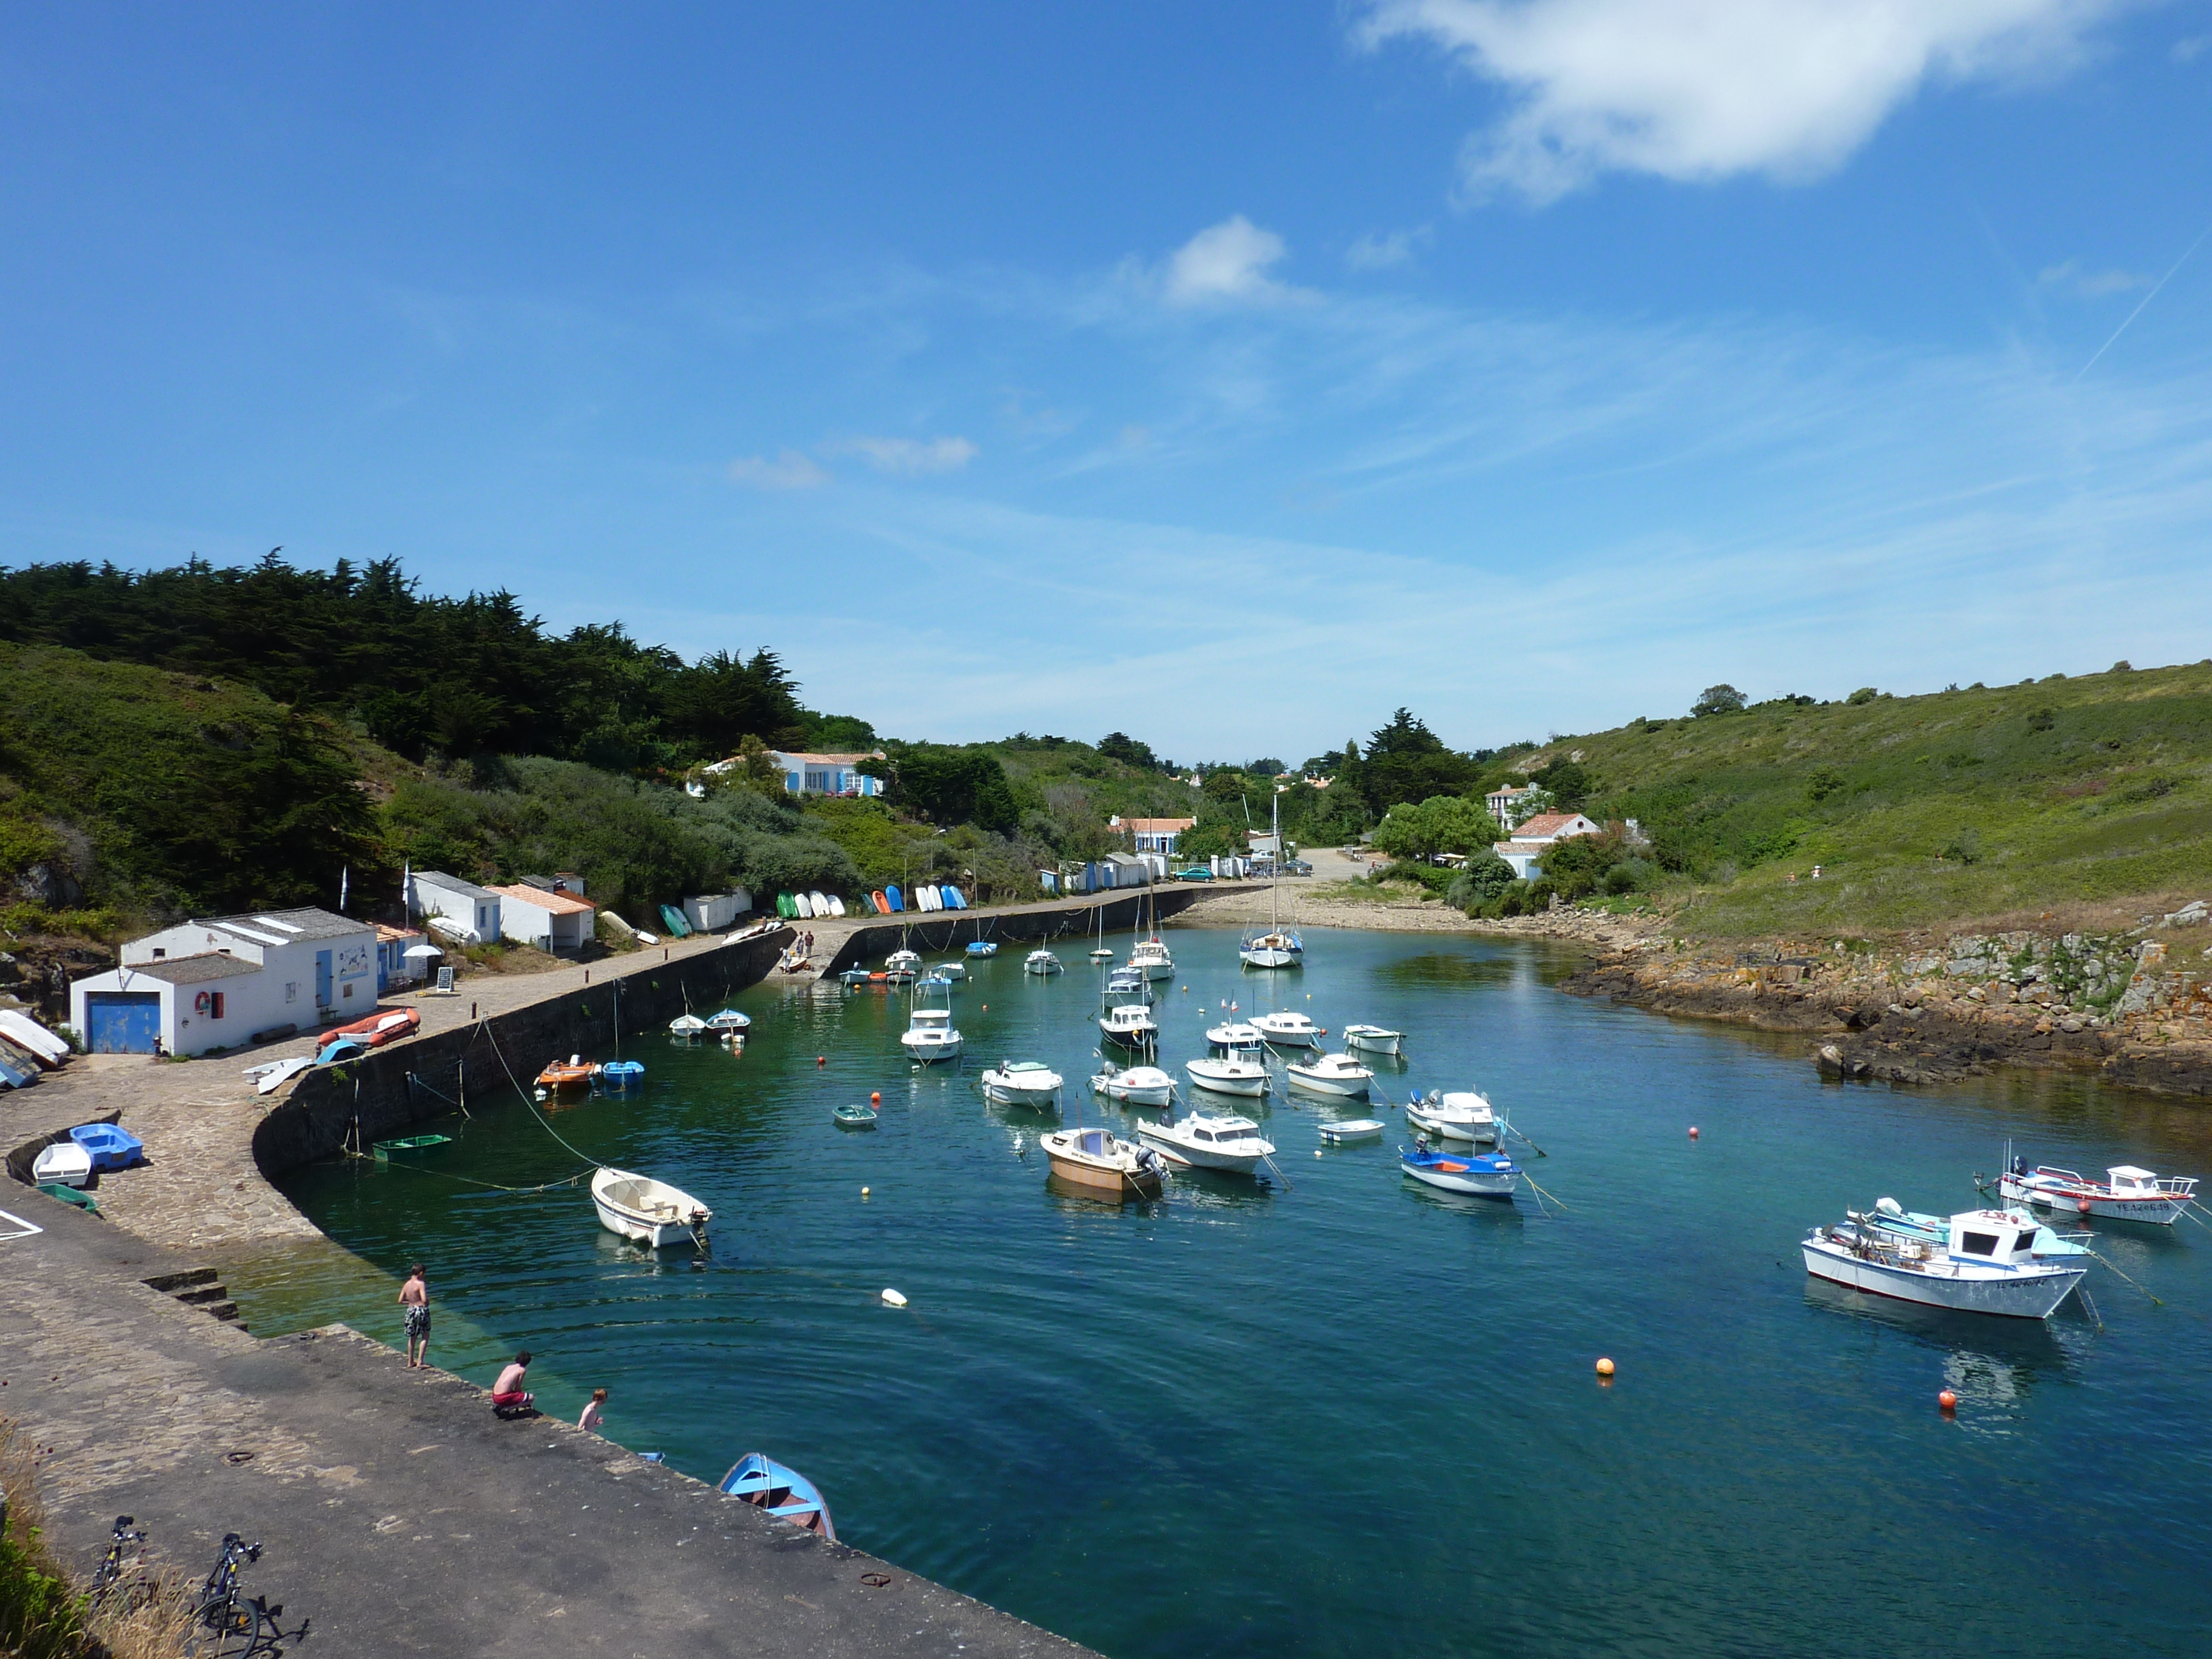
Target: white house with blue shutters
229,980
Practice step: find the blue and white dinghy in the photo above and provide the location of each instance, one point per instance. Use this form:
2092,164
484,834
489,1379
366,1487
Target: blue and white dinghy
1483,1175
782,1490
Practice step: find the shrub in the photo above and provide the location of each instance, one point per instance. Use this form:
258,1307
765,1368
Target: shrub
1964,847
1479,883
2042,720
1631,876
1825,782
1863,695
1722,699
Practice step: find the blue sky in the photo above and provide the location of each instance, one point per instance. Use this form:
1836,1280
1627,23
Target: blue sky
1227,374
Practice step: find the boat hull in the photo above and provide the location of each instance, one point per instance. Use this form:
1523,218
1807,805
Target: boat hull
1475,1131
1472,1180
1038,1100
1366,1128
2025,1295
1215,1083
929,1054
1340,1088
2160,1212
1308,1038
1129,1036
686,1223
1104,1183
1197,1157
1268,958
1376,1043
1136,1094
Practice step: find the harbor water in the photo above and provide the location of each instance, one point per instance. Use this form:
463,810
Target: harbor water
1343,1413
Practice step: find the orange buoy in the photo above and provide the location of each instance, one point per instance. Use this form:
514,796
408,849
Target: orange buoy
1693,1132
1948,1401
875,1098
1605,1368
821,1059
2081,1204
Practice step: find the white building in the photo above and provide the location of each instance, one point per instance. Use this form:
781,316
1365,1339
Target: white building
1152,835
1536,835
828,774
1503,802
556,922
229,980
466,909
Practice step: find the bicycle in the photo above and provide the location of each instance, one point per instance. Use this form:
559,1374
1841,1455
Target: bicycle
110,1571
251,1622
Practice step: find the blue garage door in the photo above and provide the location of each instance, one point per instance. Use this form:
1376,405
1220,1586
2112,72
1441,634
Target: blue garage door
123,1022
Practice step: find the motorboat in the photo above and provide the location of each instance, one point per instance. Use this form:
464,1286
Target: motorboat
1131,1024
651,1212
1374,1039
1330,1075
1482,1174
982,947
1231,1145
1228,1074
1288,1030
1457,1115
1986,1262
783,1492
109,1147
65,1164
853,1117
1236,1038
1128,984
1041,961
729,1022
575,1074
954,969
930,1036
1890,1216
854,979
936,980
1104,1164
1022,1083
1135,1085
1151,957
907,962
1356,1128
687,1026
2126,1193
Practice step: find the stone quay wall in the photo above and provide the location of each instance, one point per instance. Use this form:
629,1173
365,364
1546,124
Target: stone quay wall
388,1091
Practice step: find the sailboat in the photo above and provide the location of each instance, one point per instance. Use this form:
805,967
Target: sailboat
1274,948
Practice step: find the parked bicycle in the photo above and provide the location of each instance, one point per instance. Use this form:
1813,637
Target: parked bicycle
110,1571
240,1626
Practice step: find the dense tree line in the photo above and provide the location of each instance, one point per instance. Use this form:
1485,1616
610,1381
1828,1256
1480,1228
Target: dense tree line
425,675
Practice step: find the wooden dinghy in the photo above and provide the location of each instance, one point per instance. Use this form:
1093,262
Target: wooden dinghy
575,1075
1103,1166
782,1490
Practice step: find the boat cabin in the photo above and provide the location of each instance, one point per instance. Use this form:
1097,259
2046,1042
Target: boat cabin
2129,1182
1995,1235
1221,1131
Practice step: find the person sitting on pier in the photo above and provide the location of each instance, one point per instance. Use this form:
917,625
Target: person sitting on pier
508,1398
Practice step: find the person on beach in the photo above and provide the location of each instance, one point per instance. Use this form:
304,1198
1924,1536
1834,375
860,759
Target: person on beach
415,1297
508,1398
594,1411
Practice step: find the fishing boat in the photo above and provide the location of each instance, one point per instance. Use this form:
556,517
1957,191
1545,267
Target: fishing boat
729,1022
407,1146
930,1036
1374,1039
65,1164
1102,1165
1483,1175
1150,958
1041,961
1985,1263
1228,1074
1131,1024
687,1026
2126,1193
575,1074
1135,1085
621,1074
1230,1145
1234,1037
651,1212
1330,1075
853,1117
1128,984
1357,1128
1274,948
982,947
108,1147
1288,1030
1890,1216
1461,1115
1022,1083
783,1492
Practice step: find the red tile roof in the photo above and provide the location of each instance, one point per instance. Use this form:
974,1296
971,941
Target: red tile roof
559,904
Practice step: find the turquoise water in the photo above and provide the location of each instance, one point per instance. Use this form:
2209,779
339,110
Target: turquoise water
1355,1415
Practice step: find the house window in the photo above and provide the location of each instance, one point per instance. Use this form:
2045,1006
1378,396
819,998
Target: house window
214,1006
159,953
291,991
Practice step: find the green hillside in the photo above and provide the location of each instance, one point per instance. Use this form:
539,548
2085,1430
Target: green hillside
1970,803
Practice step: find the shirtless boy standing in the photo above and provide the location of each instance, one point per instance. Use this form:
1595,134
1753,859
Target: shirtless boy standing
415,1297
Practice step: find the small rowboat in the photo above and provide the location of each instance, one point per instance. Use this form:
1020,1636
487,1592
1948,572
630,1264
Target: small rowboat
1483,1175
1374,1039
982,947
651,1212
573,1075
65,1164
1358,1128
729,1020
686,1026
109,1147
784,1492
385,1150
853,1117
379,1028
621,1073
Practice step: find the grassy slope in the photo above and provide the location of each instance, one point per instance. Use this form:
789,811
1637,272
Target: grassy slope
1076,780
2113,800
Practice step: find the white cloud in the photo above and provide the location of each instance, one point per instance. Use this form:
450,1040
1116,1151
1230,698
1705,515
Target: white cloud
2189,51
1373,253
789,471
2089,284
1224,262
913,458
1698,90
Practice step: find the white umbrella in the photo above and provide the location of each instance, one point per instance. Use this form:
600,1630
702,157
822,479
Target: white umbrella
422,951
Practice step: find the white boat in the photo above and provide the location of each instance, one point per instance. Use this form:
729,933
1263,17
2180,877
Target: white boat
2127,1194
65,1164
729,1021
686,1025
903,962
1103,953
1479,1175
1110,1167
651,1212
1330,1075
1274,948
1458,1115
1022,1083
1041,961
1228,1075
1128,984
1236,1038
1986,1264
1374,1039
1150,958
1131,1024
1137,1085
820,902
803,907
836,905
1356,1128
951,970
1288,1030
930,1036
1232,1145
